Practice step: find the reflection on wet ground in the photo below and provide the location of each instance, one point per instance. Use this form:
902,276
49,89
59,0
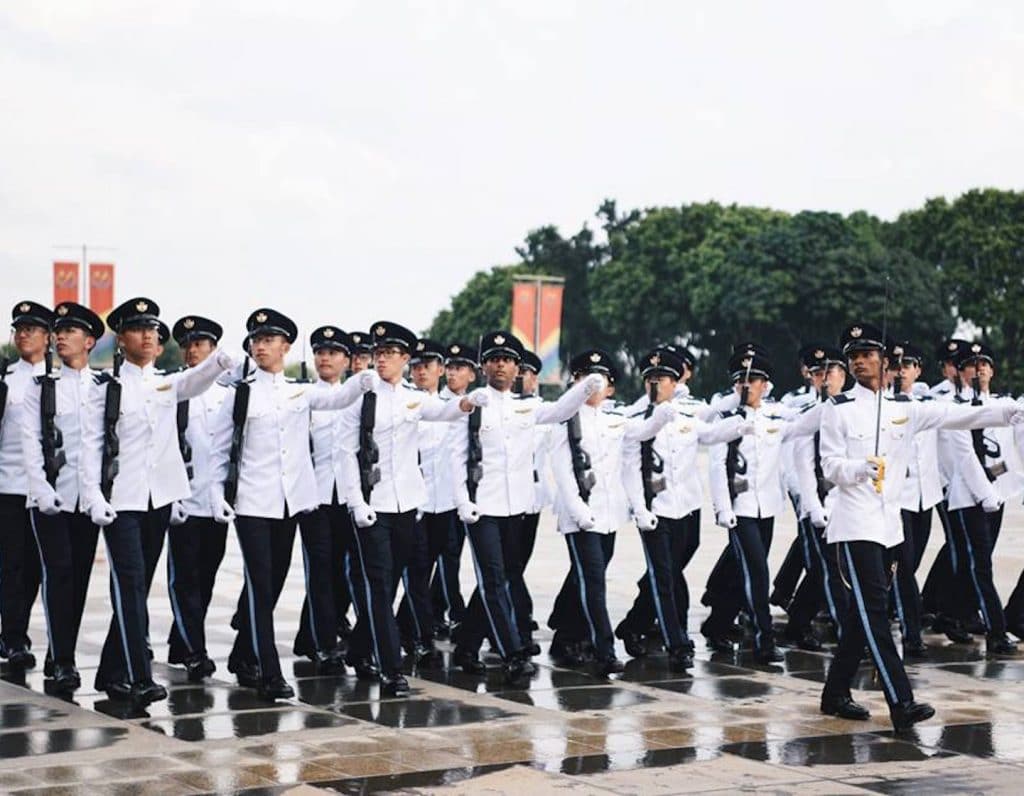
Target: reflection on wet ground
422,713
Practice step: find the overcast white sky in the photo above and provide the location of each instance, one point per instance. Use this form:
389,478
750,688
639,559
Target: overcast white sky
348,161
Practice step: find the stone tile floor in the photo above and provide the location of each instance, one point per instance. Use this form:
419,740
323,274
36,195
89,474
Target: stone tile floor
727,725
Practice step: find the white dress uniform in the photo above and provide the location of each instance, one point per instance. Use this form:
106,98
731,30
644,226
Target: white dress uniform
13,480
323,431
202,414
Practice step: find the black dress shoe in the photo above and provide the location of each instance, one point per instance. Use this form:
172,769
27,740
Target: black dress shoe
66,678
804,639
118,692
915,650
517,668
975,627
1000,645
531,648
364,667
568,654
468,661
199,667
634,643
145,692
21,659
770,654
1017,630
426,655
680,659
275,688
603,667
953,628
845,708
906,714
48,665
719,644
329,661
394,685
248,674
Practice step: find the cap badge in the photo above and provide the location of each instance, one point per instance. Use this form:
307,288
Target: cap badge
856,331
951,346
24,307
897,351
455,349
189,323
655,359
328,333
499,339
62,310
141,306
819,354
747,362
595,357
975,349
261,317
420,346
380,331
357,338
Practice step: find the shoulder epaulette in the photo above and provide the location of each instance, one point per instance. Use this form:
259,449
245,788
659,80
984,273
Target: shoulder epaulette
901,398
637,414
926,397
842,398
103,378
733,413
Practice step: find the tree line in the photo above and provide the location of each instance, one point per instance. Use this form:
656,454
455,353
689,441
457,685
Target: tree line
709,275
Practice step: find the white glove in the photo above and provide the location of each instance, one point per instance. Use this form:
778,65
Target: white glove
1014,414
225,361
725,519
581,515
866,471
178,513
645,520
746,428
818,517
368,380
479,397
362,515
102,513
223,512
991,505
665,413
469,513
49,503
595,382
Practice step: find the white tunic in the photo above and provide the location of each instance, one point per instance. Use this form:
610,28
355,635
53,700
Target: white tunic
13,480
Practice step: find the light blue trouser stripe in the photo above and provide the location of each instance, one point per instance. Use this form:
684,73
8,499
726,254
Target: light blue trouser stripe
42,568
947,529
252,611
309,598
827,582
748,587
899,606
974,569
863,612
175,607
119,611
483,595
369,598
583,587
348,580
409,603
652,578
444,584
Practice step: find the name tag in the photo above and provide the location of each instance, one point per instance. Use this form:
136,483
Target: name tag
772,430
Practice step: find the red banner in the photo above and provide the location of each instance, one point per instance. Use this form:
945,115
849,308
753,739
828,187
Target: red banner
65,282
101,288
524,312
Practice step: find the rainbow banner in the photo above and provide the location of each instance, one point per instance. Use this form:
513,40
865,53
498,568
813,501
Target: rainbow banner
101,301
537,320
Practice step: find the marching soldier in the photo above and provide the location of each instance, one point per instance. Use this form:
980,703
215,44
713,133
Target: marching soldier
460,373
132,471
52,417
327,531
658,461
385,488
865,446
19,561
263,479
362,351
195,540
492,465
980,484
591,506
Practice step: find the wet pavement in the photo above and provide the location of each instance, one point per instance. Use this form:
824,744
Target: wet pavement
726,724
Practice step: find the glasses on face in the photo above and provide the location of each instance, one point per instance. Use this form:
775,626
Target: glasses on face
387,351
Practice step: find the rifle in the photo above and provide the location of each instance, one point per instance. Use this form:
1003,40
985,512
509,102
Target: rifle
368,454
651,465
183,446
475,454
53,441
303,371
239,412
978,435
4,362
581,466
111,412
735,462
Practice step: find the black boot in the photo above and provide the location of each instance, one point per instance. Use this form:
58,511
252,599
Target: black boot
844,708
906,714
